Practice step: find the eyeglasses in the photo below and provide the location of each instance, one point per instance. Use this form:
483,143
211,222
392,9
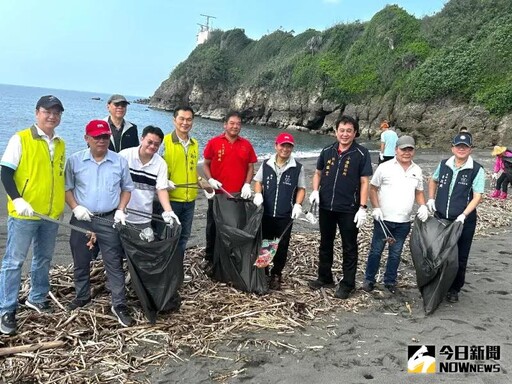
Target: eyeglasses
101,137
154,143
120,105
50,113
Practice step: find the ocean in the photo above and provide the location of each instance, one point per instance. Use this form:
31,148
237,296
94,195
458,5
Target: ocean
17,104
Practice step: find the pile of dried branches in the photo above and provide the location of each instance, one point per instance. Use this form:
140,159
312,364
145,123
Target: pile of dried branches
87,345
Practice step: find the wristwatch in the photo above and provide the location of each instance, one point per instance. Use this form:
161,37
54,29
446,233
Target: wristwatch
364,206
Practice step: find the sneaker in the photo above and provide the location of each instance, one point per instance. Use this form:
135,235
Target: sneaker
391,288
40,307
368,286
275,282
8,323
123,315
452,297
317,284
495,193
78,303
342,292
502,196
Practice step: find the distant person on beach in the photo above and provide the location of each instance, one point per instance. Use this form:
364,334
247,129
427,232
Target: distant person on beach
502,181
394,187
124,133
33,177
455,190
280,185
181,153
340,187
98,189
149,175
388,139
228,164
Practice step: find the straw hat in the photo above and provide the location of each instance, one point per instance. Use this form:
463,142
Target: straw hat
498,150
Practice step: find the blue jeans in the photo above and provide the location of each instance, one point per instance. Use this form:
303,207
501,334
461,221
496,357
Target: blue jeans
399,232
185,212
21,233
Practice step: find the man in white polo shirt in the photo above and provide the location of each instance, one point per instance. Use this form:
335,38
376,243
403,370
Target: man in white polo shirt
149,174
394,187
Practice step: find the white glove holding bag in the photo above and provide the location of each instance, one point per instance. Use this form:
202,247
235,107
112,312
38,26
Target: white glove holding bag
431,205
170,218
214,183
209,195
258,199
246,191
120,217
461,218
81,213
314,197
377,214
423,213
296,211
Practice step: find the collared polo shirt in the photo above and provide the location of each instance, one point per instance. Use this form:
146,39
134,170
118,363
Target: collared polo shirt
279,171
98,185
147,178
397,189
229,161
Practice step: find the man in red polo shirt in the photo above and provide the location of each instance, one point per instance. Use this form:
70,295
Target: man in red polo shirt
228,163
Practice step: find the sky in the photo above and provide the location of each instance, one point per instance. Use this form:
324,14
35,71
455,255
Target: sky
131,46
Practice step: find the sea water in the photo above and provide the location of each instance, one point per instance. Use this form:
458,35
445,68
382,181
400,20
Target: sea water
17,109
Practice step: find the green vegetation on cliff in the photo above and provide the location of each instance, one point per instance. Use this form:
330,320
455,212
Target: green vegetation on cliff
463,52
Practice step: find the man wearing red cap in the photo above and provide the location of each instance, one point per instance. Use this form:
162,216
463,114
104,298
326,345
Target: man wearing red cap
98,188
33,177
280,186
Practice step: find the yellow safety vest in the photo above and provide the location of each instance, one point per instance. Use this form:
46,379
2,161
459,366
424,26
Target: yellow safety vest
182,167
40,181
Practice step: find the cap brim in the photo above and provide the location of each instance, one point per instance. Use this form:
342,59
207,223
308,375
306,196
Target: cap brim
119,101
286,142
406,146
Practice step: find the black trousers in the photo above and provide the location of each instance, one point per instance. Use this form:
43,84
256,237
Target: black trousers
328,221
211,230
464,245
502,182
273,228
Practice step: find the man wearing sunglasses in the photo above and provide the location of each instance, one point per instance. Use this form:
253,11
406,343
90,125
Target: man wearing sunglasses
98,188
394,187
124,133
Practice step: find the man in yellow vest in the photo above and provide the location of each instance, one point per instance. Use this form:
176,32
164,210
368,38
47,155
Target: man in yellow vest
181,153
33,177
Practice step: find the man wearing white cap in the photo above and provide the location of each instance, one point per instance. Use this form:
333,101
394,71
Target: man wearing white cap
394,187
280,186
455,190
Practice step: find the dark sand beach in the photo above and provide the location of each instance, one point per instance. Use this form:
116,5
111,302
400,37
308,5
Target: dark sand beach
366,345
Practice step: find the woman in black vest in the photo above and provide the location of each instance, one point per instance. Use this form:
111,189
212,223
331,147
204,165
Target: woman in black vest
280,186
455,190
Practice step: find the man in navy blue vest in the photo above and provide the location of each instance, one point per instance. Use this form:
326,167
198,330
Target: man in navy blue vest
340,187
282,181
455,190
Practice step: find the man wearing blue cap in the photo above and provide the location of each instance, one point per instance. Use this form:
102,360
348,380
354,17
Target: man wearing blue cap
33,177
455,190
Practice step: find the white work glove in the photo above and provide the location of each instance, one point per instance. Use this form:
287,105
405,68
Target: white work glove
169,217
431,205
423,213
120,217
81,213
22,207
296,211
209,195
494,176
170,185
314,197
360,217
258,199
381,156
246,191
461,218
214,183
377,214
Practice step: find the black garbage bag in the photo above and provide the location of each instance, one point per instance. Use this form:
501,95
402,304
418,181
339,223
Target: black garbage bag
435,257
237,243
156,268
